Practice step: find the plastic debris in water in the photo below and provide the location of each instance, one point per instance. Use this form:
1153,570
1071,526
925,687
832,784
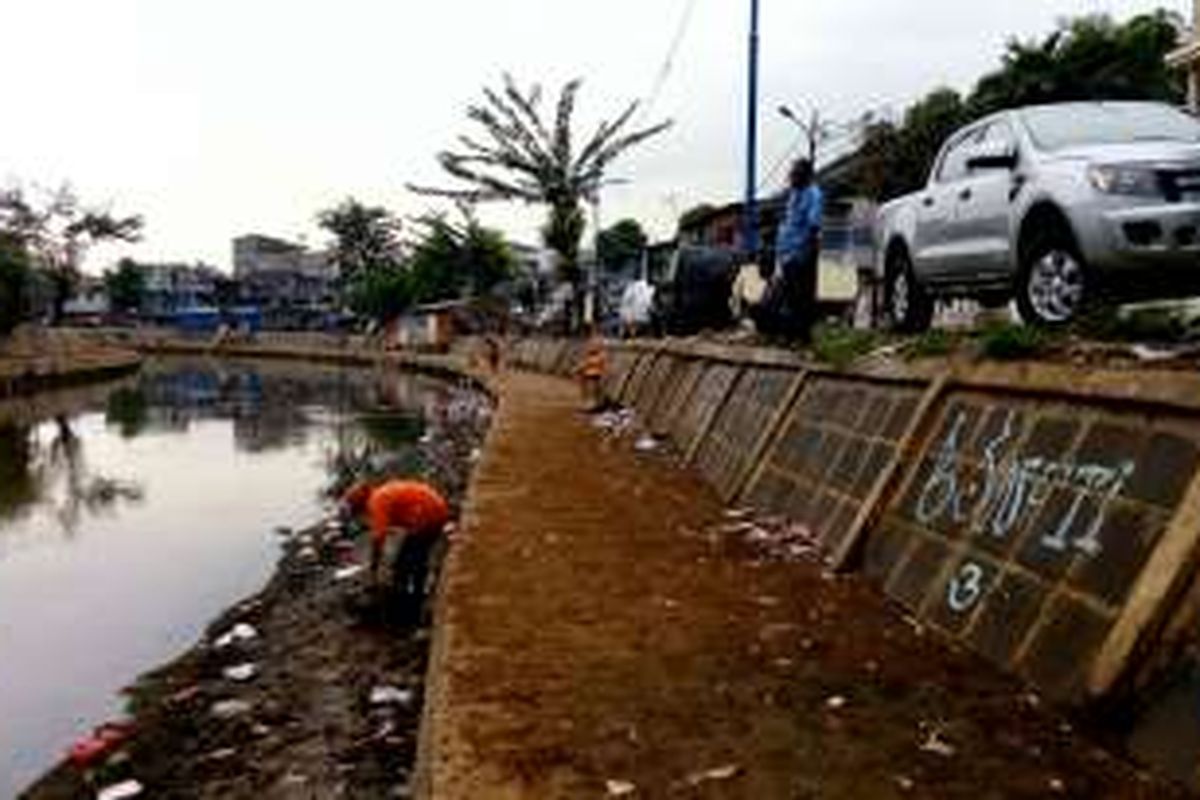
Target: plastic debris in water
391,695
103,740
240,632
119,791
619,788
240,673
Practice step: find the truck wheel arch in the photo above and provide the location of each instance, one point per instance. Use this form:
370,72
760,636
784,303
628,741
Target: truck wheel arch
1041,213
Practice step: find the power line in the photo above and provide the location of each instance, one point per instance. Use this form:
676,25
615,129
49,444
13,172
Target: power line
664,71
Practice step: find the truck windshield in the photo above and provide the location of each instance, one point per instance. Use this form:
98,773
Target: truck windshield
1058,127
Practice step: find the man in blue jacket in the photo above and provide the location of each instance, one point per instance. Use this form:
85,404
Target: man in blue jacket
797,247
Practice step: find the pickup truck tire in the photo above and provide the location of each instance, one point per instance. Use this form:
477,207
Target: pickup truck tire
908,306
1054,285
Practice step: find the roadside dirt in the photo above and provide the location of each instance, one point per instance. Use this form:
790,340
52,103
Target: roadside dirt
608,629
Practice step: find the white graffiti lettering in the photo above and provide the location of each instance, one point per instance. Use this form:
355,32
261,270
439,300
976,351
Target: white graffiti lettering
1012,487
965,588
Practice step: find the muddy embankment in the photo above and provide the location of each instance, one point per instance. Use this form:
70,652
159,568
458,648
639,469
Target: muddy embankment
311,688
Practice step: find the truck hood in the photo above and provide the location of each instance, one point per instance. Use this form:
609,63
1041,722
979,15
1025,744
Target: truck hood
1132,152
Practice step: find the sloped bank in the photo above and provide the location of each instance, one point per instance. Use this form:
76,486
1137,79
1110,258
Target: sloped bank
332,704
1046,517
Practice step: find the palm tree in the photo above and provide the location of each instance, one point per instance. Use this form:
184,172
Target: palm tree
524,158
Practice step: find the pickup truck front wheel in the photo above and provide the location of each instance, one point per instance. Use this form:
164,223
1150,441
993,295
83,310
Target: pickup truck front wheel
1053,284
909,306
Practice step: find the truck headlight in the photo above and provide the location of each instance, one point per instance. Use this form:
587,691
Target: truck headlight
1111,179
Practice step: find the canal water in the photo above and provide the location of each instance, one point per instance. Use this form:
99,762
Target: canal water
134,513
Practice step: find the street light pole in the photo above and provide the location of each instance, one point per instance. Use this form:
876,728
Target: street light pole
750,216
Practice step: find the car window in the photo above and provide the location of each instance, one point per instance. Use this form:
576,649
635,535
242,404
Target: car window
1000,131
1077,124
954,163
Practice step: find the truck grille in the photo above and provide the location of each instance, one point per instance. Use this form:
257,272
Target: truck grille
1180,184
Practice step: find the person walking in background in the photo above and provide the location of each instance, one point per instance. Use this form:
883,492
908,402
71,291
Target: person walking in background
591,371
797,249
411,509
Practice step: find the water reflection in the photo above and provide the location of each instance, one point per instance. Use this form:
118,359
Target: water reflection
151,505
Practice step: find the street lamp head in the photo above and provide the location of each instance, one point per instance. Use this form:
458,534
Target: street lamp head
784,111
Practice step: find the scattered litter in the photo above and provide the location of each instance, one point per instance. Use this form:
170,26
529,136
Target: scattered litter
721,773
1057,786
103,740
283,531
619,788
835,702
391,696
614,422
738,513
308,553
228,709
646,444
475,455
119,791
220,755
241,632
184,695
346,573
1145,353
240,673
905,783
934,743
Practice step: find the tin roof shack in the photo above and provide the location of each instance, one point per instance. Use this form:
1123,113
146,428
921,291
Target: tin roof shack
429,328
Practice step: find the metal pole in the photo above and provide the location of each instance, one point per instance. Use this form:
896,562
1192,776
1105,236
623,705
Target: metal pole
750,216
589,301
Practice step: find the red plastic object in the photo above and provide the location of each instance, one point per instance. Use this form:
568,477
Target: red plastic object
102,741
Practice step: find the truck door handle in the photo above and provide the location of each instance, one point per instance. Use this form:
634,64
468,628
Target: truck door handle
965,194
927,202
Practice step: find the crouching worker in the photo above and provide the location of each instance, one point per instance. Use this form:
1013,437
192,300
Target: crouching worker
412,509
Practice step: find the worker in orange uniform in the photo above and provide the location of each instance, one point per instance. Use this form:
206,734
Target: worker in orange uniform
591,371
413,509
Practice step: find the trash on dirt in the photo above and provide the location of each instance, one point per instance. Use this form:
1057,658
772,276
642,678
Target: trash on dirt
346,573
934,743
223,754
391,696
721,773
738,513
835,702
1057,786
283,531
119,791
241,632
614,422
1145,353
619,788
646,444
308,553
240,673
89,750
905,783
228,709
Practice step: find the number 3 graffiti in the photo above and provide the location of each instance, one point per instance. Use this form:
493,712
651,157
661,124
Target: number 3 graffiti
965,587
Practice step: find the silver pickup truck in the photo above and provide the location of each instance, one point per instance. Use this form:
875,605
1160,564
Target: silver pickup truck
1057,207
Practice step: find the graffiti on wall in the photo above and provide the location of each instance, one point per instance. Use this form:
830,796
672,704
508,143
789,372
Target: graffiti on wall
997,500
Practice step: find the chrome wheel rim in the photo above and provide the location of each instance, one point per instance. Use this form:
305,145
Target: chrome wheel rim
1056,286
900,297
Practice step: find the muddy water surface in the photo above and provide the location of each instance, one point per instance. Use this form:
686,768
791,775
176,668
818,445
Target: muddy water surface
132,518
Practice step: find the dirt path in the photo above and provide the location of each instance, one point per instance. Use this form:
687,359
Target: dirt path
606,631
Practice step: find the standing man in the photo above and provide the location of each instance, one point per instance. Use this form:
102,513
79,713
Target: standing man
412,509
797,249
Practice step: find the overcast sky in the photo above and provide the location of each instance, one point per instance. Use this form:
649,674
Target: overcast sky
221,117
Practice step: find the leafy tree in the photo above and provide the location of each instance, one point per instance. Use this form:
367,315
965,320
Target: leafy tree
528,158
14,277
365,237
56,230
621,244
381,293
126,285
452,260
695,213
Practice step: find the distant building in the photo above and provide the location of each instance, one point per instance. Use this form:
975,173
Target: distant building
172,287
88,301
1187,57
292,284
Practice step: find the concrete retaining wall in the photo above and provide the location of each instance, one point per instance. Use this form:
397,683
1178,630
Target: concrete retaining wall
1046,517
